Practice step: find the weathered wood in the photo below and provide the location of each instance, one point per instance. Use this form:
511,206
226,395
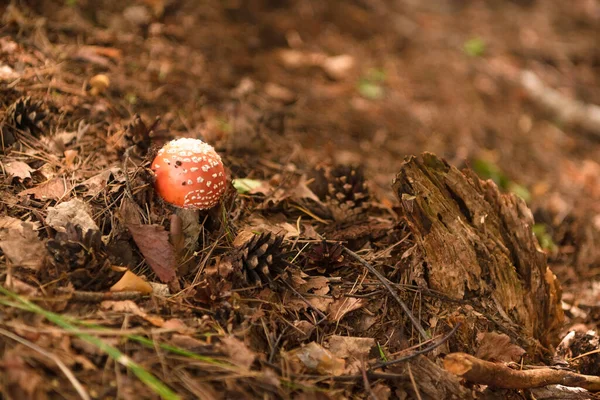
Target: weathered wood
476,244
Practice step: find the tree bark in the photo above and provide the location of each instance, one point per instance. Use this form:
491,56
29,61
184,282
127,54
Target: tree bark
476,245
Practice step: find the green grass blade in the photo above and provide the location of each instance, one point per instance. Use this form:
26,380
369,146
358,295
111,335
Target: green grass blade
146,377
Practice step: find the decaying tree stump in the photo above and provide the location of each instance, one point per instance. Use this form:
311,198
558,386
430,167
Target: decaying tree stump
476,245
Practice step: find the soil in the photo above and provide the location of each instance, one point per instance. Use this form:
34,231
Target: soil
313,107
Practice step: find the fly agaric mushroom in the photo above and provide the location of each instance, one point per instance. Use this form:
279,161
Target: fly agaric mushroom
189,174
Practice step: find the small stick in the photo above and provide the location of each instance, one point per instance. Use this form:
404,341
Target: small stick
419,352
413,382
488,373
389,287
366,383
96,297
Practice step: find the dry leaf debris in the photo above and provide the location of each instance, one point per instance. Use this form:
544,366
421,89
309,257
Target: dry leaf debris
71,160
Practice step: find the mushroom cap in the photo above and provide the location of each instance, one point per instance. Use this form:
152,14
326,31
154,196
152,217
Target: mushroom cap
189,174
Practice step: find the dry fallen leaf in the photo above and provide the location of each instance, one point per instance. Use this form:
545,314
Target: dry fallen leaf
153,242
349,346
128,306
53,189
130,282
316,358
497,347
17,169
98,55
20,243
73,211
70,156
20,381
352,349
381,391
319,285
97,183
238,351
342,306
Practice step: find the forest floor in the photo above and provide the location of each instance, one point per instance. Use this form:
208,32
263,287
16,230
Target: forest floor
296,96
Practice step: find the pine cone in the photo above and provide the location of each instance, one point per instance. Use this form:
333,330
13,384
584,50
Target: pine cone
325,257
138,135
261,258
83,258
344,189
26,115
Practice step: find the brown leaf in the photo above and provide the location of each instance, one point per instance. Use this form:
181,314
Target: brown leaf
97,183
349,346
17,169
20,243
381,391
20,381
342,306
153,242
238,351
128,306
98,55
497,347
53,189
73,211
318,285
131,282
316,358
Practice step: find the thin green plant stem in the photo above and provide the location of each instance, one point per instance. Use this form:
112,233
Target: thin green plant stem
137,338
146,377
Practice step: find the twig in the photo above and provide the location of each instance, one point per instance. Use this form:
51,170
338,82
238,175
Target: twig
78,387
413,382
567,110
488,373
96,297
419,352
276,344
366,383
389,287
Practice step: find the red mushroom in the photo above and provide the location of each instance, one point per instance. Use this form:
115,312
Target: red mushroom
189,174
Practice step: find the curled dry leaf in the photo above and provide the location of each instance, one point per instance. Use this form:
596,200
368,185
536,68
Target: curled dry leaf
160,289
497,347
19,380
352,349
17,169
349,346
153,242
20,243
128,306
70,156
316,358
73,211
238,351
190,227
342,306
130,282
97,183
54,189
319,285
381,391
97,55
